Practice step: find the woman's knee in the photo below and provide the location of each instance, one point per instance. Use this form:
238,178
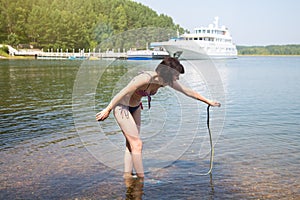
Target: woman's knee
137,146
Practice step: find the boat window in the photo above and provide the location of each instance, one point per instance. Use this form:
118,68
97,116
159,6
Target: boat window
208,31
195,38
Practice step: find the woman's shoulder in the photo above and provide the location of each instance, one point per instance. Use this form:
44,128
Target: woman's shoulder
148,75
143,77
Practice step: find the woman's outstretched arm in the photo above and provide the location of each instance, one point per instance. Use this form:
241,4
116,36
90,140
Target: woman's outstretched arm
193,94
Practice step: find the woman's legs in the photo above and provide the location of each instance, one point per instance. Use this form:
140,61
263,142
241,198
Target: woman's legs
130,125
128,165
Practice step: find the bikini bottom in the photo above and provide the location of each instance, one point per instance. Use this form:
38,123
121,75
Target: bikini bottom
133,109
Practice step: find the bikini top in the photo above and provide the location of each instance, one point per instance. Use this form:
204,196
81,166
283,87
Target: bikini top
144,92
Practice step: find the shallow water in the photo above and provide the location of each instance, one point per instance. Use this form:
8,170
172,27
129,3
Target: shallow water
51,147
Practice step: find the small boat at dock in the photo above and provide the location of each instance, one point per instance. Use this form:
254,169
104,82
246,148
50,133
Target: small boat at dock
148,54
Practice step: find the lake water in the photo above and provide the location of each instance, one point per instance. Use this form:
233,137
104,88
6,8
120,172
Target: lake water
52,147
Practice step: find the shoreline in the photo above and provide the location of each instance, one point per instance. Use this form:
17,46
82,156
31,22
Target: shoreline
268,55
33,57
17,58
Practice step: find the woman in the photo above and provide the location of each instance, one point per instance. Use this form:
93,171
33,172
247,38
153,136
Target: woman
127,106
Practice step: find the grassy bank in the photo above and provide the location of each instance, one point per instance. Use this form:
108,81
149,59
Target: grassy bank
4,52
17,57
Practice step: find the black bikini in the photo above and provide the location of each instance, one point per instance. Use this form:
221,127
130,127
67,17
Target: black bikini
142,93
133,109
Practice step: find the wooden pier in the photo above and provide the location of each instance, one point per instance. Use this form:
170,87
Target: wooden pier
59,54
81,55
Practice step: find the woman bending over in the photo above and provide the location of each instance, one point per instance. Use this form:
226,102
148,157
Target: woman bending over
126,106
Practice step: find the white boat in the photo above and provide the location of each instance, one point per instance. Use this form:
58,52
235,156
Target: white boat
148,54
212,42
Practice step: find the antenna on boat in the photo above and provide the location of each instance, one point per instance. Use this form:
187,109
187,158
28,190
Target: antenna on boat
216,22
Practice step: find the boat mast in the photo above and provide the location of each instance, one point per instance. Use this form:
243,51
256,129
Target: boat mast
216,22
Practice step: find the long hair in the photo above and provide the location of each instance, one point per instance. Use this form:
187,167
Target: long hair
168,68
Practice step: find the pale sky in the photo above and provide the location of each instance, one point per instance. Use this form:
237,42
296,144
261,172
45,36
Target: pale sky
255,22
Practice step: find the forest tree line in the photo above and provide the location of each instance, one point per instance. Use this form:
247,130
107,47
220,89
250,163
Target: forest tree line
74,24
291,49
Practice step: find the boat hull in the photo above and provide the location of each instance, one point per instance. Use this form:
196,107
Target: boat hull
190,50
146,55
139,58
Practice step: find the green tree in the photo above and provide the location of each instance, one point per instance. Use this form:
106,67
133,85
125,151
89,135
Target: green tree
13,39
76,24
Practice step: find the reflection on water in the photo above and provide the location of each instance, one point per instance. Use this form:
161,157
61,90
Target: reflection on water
256,157
35,99
134,188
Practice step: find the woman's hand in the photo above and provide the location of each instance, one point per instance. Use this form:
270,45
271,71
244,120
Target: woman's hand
214,104
100,116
